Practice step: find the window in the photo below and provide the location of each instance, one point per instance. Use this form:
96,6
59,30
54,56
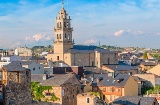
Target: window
68,36
104,89
39,68
57,57
119,90
33,68
77,90
60,36
92,63
64,24
108,61
57,24
73,96
57,36
60,24
48,93
65,36
63,91
87,100
18,76
110,98
67,24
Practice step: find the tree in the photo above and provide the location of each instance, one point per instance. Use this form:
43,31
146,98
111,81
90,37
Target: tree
145,56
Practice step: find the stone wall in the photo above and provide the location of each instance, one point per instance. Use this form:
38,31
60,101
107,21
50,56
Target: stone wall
17,90
70,89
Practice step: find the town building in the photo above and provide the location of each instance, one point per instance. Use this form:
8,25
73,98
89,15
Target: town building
113,88
155,70
120,69
88,99
23,51
76,55
64,86
3,53
151,80
16,80
135,100
10,58
35,67
147,65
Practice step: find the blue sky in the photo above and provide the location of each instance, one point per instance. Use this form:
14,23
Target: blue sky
111,22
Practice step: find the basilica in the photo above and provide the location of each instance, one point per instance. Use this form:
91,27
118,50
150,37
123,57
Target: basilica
64,48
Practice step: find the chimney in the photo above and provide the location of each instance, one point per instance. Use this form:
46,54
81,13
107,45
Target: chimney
44,76
85,81
92,79
97,80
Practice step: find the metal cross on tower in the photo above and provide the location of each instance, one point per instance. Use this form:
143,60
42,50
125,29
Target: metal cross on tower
62,3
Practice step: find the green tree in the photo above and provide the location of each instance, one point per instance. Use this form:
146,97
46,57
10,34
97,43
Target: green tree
37,89
145,56
54,98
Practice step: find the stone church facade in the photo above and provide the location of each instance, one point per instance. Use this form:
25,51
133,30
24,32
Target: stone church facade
76,55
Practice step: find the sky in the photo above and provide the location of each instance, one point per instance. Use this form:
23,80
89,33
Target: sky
121,23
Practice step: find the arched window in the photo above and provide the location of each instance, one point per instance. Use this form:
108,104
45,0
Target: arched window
60,24
57,36
67,25
60,36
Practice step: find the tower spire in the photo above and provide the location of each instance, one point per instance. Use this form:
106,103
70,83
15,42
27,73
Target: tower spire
62,3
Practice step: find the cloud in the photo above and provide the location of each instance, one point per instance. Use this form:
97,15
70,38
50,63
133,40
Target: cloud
90,41
119,33
129,32
38,37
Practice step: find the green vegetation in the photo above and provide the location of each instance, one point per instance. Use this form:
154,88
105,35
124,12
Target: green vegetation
156,55
97,94
151,90
54,98
37,89
145,56
112,47
39,49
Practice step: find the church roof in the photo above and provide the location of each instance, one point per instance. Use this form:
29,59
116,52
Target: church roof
84,47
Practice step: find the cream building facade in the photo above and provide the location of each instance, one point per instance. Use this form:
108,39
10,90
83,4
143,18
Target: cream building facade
76,55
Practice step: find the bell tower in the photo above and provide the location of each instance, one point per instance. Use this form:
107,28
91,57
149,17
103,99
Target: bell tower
62,33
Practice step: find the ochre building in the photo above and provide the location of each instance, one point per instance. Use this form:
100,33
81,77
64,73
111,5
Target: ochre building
76,55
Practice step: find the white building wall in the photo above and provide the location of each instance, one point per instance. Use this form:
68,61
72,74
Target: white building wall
36,68
3,63
11,58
